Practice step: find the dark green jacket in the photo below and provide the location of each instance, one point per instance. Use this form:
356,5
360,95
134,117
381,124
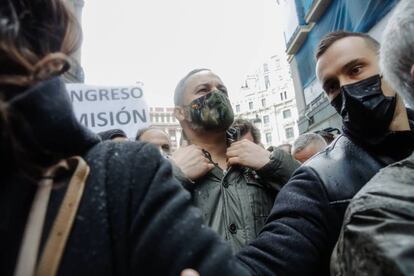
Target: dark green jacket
236,203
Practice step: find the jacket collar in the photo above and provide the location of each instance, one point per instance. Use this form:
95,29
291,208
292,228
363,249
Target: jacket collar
393,147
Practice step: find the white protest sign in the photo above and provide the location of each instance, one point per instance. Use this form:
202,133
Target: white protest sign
101,108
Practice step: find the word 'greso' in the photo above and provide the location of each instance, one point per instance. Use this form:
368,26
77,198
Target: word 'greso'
110,94
122,117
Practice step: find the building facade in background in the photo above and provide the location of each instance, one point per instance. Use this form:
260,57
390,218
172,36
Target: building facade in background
267,98
307,21
163,118
76,73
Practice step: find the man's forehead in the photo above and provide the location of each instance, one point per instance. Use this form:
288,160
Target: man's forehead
340,53
154,133
203,77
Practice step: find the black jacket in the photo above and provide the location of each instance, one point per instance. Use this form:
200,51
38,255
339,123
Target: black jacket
377,234
305,221
133,219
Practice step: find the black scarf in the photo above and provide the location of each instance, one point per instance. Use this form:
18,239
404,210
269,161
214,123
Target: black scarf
41,127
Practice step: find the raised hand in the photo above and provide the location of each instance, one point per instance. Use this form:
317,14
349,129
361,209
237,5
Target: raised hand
192,161
247,154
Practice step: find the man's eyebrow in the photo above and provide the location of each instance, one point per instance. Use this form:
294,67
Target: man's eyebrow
351,64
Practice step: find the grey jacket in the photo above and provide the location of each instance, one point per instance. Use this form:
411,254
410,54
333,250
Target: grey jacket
377,236
236,203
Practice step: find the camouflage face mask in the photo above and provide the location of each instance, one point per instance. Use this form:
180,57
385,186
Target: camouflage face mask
211,112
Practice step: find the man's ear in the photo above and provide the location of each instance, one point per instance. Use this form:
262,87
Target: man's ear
179,113
412,72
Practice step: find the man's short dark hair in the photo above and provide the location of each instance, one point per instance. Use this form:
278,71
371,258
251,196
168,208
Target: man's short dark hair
245,126
179,90
111,134
331,38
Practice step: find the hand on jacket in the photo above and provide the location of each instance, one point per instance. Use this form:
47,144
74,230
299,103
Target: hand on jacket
248,154
191,161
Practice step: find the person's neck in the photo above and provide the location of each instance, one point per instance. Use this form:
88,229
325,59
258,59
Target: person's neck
214,143
400,120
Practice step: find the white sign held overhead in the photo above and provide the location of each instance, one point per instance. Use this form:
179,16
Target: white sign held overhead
101,108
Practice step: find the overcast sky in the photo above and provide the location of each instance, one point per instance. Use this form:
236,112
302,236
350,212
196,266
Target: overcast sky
157,42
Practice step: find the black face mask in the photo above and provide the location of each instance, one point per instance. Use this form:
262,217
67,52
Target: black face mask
366,112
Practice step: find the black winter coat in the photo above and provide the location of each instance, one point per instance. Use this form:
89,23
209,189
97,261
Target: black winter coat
133,219
304,224
377,234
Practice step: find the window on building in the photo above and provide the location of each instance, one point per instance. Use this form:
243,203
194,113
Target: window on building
237,108
156,118
250,105
283,96
268,138
287,113
171,133
267,81
289,132
266,67
162,118
266,119
263,102
277,64
151,118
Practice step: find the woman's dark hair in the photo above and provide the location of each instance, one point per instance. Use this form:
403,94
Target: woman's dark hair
36,39
35,36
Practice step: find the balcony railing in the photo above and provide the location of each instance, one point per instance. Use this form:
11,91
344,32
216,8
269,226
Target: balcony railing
298,37
316,10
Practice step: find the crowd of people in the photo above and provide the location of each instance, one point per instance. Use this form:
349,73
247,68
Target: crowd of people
73,202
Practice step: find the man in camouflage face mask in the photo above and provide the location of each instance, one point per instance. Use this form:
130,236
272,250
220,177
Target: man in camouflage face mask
211,112
232,182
